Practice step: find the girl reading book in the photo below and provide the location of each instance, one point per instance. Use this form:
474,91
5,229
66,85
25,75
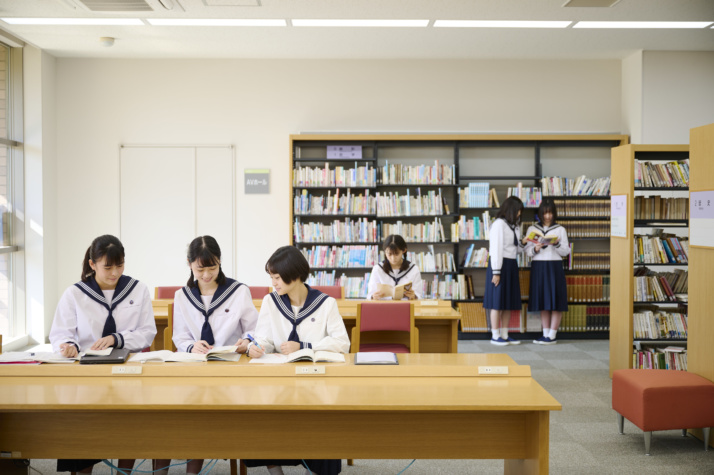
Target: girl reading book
293,317
503,290
105,309
212,310
395,277
548,291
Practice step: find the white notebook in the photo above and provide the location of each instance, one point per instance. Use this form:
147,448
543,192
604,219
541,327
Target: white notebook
376,357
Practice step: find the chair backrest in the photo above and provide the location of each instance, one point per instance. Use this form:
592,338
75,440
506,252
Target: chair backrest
334,291
259,292
166,292
385,316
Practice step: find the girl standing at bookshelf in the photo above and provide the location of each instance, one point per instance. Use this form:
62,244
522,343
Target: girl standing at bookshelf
503,290
293,317
105,309
548,244
394,271
211,310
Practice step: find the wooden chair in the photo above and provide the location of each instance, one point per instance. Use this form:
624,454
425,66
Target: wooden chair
237,465
166,292
385,317
259,292
334,291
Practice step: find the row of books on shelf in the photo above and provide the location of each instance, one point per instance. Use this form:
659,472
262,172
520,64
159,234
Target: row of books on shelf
661,249
587,260
420,232
347,230
335,204
586,229
478,195
657,207
659,325
429,204
337,177
655,288
582,208
580,186
578,318
588,288
397,174
676,280
662,174
342,256
430,261
530,196
672,358
470,229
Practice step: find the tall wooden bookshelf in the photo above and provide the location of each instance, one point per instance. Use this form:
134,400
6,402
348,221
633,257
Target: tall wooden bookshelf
501,160
622,290
701,269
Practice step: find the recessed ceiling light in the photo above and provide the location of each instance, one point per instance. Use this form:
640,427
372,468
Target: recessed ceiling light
215,22
348,23
500,24
74,21
642,24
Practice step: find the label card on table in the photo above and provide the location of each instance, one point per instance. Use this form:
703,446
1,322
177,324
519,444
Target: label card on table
618,216
701,219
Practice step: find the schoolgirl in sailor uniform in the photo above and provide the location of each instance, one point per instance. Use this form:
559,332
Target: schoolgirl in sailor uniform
548,290
104,309
293,317
503,290
395,270
211,310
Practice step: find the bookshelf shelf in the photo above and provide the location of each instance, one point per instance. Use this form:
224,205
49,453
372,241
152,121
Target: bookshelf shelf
661,188
669,264
622,261
469,157
660,340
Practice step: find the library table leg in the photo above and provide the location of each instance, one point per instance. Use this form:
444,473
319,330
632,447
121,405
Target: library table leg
537,447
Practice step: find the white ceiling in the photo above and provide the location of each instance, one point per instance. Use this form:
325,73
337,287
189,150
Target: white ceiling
321,42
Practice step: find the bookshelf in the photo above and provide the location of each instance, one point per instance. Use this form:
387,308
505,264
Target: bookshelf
500,160
622,260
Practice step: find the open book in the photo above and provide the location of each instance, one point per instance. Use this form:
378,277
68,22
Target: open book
15,357
306,354
219,353
537,237
397,293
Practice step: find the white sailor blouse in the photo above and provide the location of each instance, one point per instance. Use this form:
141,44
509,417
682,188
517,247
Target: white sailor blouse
84,315
549,253
395,277
317,324
504,241
229,316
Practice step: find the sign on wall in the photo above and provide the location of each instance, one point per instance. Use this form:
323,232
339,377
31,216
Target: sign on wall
257,181
618,216
701,219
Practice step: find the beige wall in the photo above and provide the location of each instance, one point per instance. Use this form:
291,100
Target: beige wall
256,104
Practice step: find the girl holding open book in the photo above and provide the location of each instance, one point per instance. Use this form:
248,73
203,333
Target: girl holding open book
394,272
105,309
547,244
293,317
503,290
211,310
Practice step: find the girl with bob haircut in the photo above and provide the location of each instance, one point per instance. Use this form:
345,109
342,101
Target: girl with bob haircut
548,290
503,290
395,270
211,310
293,317
105,309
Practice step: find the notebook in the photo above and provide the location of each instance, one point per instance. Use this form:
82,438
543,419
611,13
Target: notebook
117,356
376,357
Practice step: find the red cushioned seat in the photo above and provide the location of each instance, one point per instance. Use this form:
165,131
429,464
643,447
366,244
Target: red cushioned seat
655,399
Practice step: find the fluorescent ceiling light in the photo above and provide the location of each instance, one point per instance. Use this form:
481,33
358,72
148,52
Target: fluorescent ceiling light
642,24
74,21
348,23
500,24
215,22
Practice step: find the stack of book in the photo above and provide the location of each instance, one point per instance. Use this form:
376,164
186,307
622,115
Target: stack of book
337,177
656,207
588,261
470,229
478,195
672,358
334,205
347,231
431,261
588,288
659,325
429,204
659,248
417,175
586,229
582,208
661,175
426,232
660,286
341,256
583,318
580,186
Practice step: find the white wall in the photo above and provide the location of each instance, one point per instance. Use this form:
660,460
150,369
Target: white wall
678,94
632,97
257,104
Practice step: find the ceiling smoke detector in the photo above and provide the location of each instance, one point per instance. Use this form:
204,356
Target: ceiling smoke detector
106,41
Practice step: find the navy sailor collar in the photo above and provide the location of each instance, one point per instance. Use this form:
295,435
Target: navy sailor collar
124,287
544,230
314,300
223,292
399,275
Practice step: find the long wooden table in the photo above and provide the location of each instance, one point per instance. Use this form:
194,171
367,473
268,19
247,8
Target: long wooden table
431,406
437,321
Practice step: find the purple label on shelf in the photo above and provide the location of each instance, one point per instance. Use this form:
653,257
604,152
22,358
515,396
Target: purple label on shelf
701,205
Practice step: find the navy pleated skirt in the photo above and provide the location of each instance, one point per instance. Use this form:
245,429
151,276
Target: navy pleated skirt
548,290
507,295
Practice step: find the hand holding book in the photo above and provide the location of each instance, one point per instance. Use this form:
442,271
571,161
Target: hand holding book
538,238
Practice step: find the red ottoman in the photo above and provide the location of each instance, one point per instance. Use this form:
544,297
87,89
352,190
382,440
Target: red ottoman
655,399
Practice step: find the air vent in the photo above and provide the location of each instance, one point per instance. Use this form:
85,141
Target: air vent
117,5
